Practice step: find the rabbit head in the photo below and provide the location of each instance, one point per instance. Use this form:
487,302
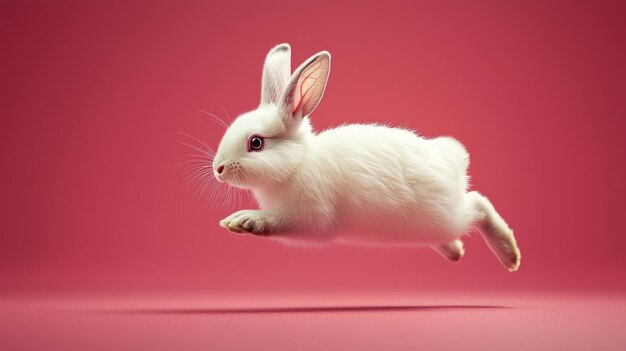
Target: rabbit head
265,146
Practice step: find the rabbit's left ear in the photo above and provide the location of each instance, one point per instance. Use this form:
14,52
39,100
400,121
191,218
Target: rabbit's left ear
305,89
276,72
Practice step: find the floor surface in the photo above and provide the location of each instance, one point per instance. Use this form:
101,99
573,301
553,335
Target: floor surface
426,322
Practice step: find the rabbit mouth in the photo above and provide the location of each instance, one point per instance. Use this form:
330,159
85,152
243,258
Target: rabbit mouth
232,176
218,177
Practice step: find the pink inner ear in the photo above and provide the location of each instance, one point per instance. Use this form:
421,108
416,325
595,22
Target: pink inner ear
311,79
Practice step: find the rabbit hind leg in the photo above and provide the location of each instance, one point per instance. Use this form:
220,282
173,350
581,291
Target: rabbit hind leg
494,230
453,251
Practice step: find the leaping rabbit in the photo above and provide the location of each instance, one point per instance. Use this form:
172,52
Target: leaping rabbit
360,183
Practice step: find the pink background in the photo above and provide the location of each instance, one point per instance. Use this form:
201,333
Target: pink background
94,95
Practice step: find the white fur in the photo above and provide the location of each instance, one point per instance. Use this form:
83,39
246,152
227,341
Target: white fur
361,184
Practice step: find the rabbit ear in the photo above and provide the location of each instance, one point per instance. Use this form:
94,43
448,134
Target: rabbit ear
305,89
276,71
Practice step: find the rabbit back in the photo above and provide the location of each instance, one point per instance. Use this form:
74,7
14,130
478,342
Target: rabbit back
376,184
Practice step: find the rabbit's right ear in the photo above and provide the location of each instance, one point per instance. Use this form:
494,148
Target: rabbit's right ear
276,73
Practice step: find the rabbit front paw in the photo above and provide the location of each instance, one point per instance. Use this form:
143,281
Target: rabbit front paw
250,221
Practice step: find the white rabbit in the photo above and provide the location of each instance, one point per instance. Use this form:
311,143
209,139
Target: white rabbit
363,184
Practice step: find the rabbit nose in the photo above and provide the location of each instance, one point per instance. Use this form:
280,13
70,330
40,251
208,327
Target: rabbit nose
220,169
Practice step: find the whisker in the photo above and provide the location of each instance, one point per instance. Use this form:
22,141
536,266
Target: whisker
204,189
185,168
212,193
230,121
237,193
193,181
196,173
196,159
225,197
215,118
200,150
249,197
205,145
190,172
197,177
195,168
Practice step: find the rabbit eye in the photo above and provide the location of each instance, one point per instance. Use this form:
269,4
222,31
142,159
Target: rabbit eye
256,143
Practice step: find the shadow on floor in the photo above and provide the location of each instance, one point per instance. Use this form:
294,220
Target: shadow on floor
295,309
